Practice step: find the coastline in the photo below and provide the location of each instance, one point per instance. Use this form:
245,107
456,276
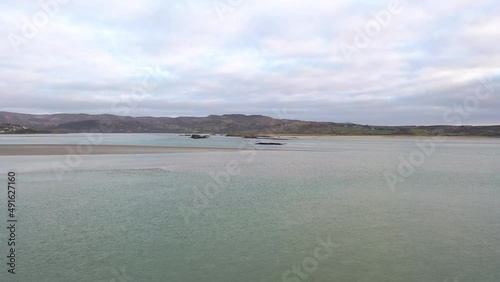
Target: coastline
274,135
377,136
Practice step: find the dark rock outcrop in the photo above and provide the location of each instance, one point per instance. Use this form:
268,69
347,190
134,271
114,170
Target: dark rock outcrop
198,136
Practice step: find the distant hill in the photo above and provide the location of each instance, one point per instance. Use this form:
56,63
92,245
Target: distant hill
234,124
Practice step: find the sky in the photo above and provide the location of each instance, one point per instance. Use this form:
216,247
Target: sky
368,62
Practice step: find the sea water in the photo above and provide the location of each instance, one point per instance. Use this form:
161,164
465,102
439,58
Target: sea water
317,209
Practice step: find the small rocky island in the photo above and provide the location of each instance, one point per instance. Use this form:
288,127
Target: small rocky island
199,136
270,143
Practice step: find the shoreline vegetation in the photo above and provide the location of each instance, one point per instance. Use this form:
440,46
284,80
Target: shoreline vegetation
288,136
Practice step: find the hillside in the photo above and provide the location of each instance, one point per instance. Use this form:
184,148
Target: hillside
234,124
7,128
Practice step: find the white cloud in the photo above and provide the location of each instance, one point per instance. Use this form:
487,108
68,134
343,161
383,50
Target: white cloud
261,56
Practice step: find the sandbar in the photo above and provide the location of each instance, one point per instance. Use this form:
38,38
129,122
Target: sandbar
58,149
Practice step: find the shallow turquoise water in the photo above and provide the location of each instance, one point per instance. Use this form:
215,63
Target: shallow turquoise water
149,217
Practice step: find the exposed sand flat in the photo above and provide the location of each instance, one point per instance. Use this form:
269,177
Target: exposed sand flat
26,150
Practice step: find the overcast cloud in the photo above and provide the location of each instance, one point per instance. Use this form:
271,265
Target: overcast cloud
281,58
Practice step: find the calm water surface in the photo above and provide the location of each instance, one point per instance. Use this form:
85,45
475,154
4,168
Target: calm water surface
253,215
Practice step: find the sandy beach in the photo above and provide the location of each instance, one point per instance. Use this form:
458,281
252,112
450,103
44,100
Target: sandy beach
27,150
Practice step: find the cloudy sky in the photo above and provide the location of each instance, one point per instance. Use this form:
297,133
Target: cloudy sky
369,62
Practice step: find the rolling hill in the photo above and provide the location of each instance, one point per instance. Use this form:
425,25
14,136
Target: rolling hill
234,124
